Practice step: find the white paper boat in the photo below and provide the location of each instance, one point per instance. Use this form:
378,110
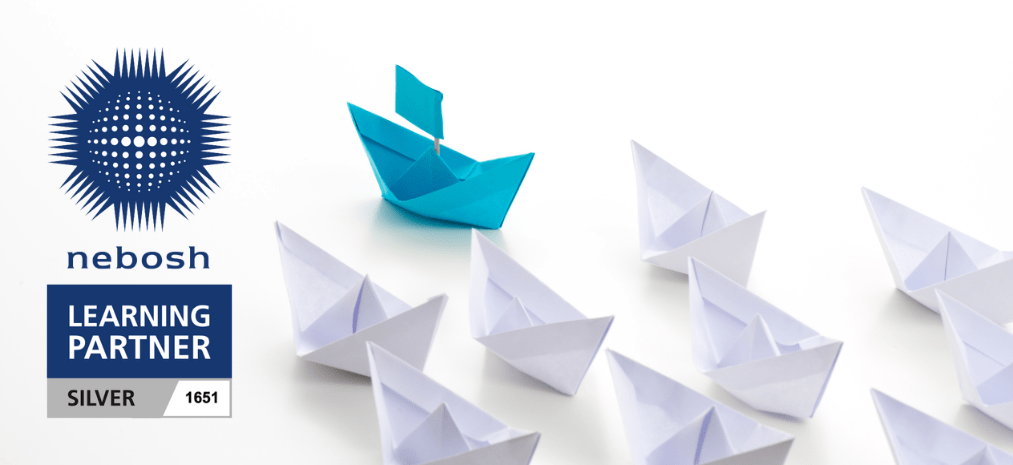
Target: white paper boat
527,324
668,423
983,353
918,439
754,350
336,310
422,422
680,218
926,255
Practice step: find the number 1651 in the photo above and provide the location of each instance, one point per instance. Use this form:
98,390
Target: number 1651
205,397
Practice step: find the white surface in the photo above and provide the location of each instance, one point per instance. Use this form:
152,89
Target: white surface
807,101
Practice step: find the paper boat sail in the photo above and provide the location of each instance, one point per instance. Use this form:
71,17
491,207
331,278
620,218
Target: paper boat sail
445,185
668,423
335,310
418,103
918,439
926,255
754,350
422,422
527,324
680,218
983,353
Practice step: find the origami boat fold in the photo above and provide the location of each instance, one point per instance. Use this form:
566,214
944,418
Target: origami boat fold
527,324
983,353
429,179
918,439
668,423
680,218
335,310
422,422
926,255
754,350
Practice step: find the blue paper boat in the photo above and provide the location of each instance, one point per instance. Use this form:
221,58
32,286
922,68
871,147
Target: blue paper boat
416,174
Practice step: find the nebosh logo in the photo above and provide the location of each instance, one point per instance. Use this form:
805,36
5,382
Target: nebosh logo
139,140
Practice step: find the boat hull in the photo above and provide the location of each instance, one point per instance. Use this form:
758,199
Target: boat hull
481,198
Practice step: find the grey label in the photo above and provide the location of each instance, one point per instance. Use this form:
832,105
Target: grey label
108,397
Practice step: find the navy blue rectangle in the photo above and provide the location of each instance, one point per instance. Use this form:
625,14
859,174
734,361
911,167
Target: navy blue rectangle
218,331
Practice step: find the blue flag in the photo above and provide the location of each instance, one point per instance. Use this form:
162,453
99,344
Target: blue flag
419,103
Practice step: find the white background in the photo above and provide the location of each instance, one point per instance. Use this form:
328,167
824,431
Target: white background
782,106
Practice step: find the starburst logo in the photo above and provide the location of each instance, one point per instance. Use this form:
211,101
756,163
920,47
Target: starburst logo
139,140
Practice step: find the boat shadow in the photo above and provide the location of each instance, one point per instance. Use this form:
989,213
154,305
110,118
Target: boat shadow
915,329
974,421
525,403
337,401
664,298
392,224
901,305
657,274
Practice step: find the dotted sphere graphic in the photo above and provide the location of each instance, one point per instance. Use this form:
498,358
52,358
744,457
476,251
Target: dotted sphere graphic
143,136
146,141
